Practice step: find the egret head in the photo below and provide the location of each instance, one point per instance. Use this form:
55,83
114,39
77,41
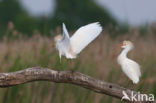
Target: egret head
57,38
126,44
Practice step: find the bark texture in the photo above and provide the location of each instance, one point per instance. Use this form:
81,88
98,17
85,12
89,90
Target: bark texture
76,78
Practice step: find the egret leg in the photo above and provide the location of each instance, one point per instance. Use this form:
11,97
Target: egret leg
59,65
127,82
130,84
71,65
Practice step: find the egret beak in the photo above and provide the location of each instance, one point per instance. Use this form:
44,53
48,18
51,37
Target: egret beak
121,44
54,44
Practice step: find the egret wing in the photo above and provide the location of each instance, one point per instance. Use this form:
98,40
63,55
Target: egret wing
136,67
84,35
65,42
132,70
65,33
65,38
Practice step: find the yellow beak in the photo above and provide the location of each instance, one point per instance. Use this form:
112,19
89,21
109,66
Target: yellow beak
53,44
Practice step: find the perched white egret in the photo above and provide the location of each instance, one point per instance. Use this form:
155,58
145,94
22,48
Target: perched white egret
71,46
129,67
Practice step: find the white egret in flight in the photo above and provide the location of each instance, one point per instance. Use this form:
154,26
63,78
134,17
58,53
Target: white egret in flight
129,67
70,47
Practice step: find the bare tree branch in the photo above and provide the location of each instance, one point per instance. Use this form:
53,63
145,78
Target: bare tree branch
44,74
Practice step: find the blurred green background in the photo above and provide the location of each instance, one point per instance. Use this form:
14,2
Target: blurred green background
25,41
73,12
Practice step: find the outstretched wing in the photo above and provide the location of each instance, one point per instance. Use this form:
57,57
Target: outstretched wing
64,45
65,38
65,33
84,35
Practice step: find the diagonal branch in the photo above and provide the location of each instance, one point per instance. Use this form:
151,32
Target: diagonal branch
44,74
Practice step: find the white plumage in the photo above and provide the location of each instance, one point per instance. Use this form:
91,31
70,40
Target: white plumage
84,35
129,67
70,47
